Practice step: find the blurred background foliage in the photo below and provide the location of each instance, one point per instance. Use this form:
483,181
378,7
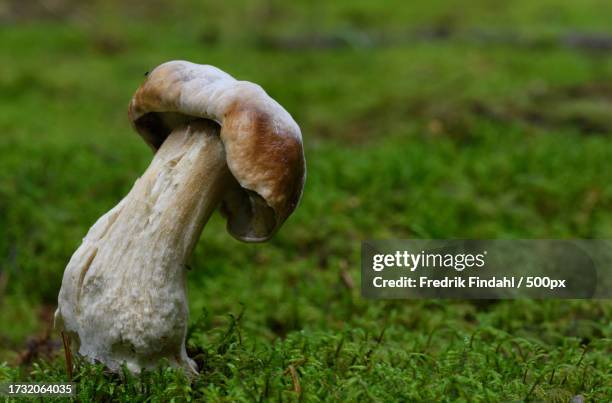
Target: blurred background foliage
437,119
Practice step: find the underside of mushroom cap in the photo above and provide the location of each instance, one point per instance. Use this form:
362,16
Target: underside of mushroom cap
262,142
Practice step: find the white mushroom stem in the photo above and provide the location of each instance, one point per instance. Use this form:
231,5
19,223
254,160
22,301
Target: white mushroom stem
123,295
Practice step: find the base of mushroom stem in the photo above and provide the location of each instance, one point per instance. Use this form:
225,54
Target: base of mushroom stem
117,365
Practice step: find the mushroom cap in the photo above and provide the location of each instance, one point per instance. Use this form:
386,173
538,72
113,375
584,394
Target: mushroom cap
263,144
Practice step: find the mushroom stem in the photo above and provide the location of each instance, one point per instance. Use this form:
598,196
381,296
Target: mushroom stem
123,296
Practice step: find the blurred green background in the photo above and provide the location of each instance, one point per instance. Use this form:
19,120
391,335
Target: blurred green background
437,119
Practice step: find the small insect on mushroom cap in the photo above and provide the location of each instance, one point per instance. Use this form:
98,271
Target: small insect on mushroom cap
263,143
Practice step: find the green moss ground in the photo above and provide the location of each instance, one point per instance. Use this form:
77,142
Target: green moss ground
432,120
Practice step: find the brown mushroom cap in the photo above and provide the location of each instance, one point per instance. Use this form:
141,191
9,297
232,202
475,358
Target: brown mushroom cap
262,142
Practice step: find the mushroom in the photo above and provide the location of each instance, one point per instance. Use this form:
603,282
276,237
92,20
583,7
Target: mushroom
218,142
